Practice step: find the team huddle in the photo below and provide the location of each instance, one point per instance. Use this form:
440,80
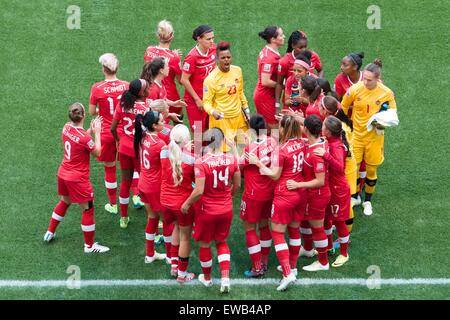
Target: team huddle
305,158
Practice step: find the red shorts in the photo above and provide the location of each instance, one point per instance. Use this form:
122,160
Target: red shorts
339,207
127,162
315,209
77,191
109,149
183,220
209,227
289,209
265,106
195,115
152,199
253,210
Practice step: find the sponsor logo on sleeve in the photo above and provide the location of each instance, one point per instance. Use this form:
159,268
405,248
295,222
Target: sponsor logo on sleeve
320,166
186,66
90,144
267,67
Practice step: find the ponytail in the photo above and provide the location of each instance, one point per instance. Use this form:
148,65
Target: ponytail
346,144
344,118
143,123
295,38
175,157
136,91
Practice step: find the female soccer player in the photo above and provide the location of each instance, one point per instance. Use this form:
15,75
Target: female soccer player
338,209
368,98
257,197
351,74
147,147
214,174
177,176
315,180
158,70
312,94
329,106
199,62
105,95
288,207
165,34
73,176
264,94
293,99
122,128
297,43
223,96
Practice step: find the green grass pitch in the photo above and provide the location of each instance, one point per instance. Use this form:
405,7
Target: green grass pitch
45,67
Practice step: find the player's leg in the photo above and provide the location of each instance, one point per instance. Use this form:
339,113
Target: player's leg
59,211
321,244
359,148
185,222
282,251
249,214
294,243
203,234
150,232
222,228
265,236
111,186
174,248
137,202
127,168
374,157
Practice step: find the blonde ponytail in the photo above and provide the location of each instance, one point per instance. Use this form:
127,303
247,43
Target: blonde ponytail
179,136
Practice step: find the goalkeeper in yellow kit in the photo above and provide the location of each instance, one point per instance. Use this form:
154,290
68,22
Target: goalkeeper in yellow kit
366,98
224,99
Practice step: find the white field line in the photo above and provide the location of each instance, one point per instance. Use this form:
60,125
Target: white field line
253,282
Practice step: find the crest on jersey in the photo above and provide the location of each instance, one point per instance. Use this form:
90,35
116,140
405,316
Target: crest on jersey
319,166
377,102
90,144
236,80
267,67
186,66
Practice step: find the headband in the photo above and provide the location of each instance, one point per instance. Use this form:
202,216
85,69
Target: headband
302,63
143,87
355,58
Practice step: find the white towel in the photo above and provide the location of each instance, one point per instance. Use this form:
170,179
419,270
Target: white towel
386,118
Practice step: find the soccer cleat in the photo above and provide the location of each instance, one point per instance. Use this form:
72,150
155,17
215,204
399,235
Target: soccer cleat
188,277
124,221
252,273
286,281
225,285
294,271
156,256
111,208
309,254
96,248
355,201
49,236
159,239
137,202
316,266
206,283
340,260
367,208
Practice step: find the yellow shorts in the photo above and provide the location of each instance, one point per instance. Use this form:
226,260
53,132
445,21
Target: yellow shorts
351,173
233,128
372,152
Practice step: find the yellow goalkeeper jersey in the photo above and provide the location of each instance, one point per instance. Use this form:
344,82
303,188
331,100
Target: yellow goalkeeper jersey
365,104
224,92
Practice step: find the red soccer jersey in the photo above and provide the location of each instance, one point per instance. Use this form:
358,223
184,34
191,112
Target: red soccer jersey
157,91
174,69
172,196
313,108
106,95
287,64
342,83
150,159
199,66
78,144
335,159
268,60
125,127
164,134
257,186
313,164
218,171
288,91
290,158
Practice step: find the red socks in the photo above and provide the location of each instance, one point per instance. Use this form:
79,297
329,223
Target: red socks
88,226
111,184
344,236
254,248
124,197
134,184
57,216
150,231
321,244
294,246
265,239
223,255
282,252
306,232
328,226
206,261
